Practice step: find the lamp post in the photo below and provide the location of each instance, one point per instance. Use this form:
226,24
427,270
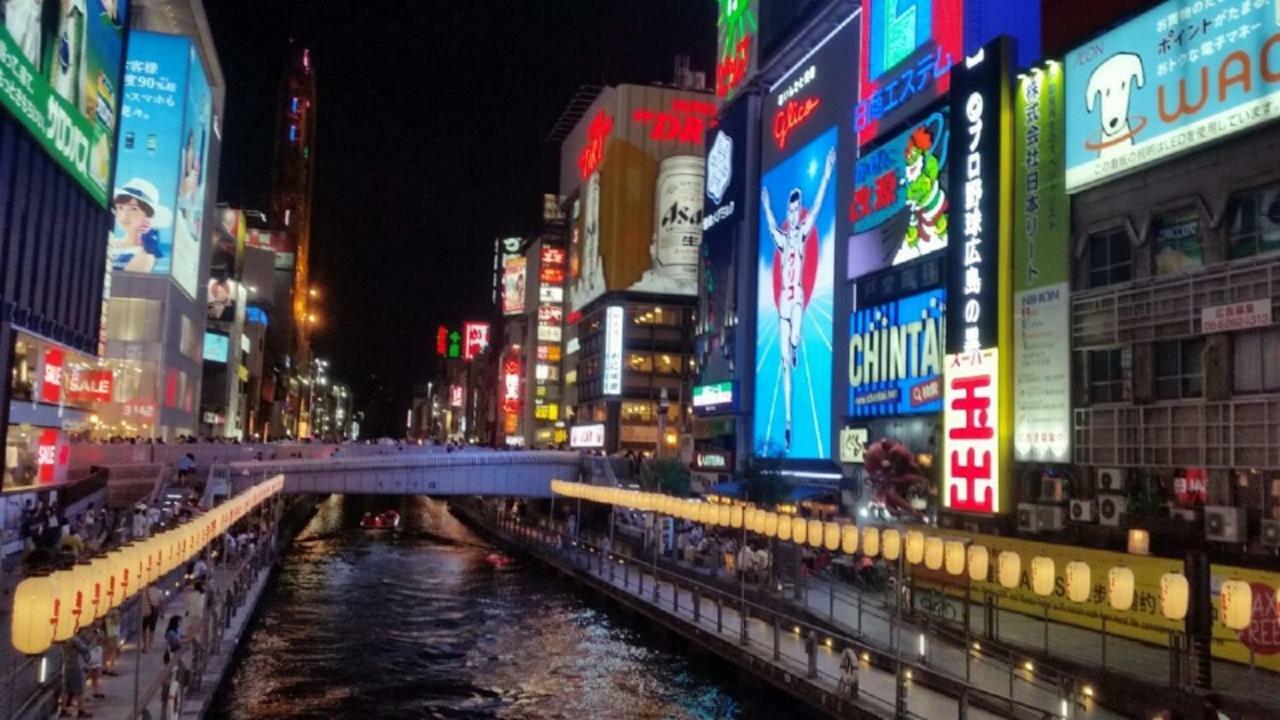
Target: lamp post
664,403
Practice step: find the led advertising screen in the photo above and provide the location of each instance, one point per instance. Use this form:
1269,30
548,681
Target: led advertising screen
908,49
60,76
795,295
160,184
900,197
216,346
1174,78
895,356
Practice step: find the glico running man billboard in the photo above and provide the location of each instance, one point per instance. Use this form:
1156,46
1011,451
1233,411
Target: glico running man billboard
60,76
1174,78
895,356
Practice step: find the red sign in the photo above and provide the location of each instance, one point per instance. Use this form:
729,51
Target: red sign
971,481
1192,487
551,275
687,121
511,394
90,385
442,341
791,116
733,68
48,455
457,396
552,256
477,339
597,134
51,378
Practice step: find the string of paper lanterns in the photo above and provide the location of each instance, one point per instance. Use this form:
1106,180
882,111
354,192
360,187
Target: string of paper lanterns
935,552
51,608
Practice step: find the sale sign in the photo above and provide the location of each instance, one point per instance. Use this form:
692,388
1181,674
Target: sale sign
90,385
51,376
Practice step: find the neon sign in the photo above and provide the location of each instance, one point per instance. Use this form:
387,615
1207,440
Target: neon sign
597,133
477,339
972,399
511,394
737,24
790,116
685,122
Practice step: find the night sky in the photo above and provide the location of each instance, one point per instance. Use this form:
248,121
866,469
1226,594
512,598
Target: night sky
431,124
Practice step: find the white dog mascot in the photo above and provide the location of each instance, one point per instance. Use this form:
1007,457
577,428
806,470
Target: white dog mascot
1112,83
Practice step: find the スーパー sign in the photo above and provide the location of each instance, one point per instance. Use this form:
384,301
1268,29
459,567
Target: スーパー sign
1236,316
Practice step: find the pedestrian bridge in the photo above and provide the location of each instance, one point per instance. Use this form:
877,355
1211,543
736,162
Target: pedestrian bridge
467,472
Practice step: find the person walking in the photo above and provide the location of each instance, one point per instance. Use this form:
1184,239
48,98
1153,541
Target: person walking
111,642
75,652
152,603
196,603
93,667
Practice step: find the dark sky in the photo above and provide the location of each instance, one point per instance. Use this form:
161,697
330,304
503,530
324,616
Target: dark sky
430,143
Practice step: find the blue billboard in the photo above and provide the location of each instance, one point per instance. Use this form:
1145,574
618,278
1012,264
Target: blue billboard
1183,74
895,356
160,164
795,303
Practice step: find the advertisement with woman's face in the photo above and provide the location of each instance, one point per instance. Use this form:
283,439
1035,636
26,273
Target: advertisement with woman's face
194,156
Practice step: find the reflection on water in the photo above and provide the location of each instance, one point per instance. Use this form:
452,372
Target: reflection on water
369,624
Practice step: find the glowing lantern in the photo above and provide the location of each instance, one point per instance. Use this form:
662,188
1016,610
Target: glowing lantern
771,524
871,541
814,533
891,540
1237,604
831,536
99,582
1175,596
735,517
749,519
1120,588
724,514
784,528
799,530
934,550
953,552
1079,580
706,513
1042,575
35,613
915,547
849,539
1139,542
70,604
1008,569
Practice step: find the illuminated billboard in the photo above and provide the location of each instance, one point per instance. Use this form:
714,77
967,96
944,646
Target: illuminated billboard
1041,285
908,49
795,296
895,356
737,25
164,138
60,77
476,339
1174,78
217,346
513,285
613,344
901,197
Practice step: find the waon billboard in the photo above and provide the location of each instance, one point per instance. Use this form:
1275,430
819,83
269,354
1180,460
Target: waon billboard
635,163
977,407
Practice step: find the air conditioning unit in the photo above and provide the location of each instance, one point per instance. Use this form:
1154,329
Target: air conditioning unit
1111,509
1028,518
1084,511
1111,480
1270,536
1049,517
1225,523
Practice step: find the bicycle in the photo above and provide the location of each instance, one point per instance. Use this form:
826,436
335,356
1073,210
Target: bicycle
936,604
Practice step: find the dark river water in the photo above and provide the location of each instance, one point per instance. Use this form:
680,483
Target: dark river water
369,625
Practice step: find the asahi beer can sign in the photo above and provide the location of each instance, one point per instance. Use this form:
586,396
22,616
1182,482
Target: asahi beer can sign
677,227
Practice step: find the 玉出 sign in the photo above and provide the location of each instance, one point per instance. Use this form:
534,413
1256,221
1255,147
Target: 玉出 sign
613,350
1236,316
1041,287
1174,78
586,436
971,472
895,356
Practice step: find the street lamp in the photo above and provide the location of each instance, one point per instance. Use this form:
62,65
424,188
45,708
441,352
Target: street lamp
664,403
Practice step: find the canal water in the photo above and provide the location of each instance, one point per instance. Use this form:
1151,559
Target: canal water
419,624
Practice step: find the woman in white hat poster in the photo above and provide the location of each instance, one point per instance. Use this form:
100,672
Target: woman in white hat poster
135,241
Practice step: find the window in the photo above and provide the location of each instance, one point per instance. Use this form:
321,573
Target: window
640,362
133,320
1110,258
1257,361
1255,222
1110,375
1177,241
667,364
1179,369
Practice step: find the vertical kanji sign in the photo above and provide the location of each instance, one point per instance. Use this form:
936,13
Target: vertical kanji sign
972,399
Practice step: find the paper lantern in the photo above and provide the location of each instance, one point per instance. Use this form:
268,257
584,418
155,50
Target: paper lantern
831,536
871,541
799,530
1008,569
1175,596
122,576
724,514
735,517
99,581
784,528
706,513
814,534
953,557
915,547
35,614
934,550
891,544
849,539
1042,575
1079,581
771,524
1139,542
70,604
1237,604
1120,588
